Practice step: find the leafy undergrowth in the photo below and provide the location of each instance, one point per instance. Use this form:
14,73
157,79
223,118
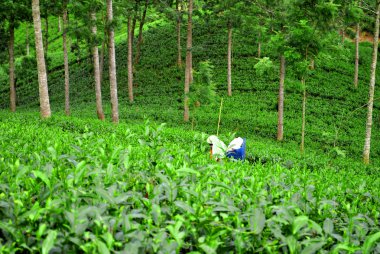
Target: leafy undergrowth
78,185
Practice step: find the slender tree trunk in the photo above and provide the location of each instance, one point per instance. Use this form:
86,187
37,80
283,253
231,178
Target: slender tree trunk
189,64
259,47
229,59
140,39
47,34
12,66
101,61
343,34
179,48
367,143
27,40
356,76
66,61
280,125
59,24
95,55
303,116
133,28
42,76
112,64
130,63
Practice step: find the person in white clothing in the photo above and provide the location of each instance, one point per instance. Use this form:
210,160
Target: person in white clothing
235,150
218,148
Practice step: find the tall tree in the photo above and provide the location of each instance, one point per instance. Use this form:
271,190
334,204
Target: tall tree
46,8
13,12
280,115
357,41
112,63
230,12
85,12
356,14
66,58
179,21
27,39
140,38
130,60
12,65
95,55
278,21
189,60
42,76
367,142
103,48
310,21
229,59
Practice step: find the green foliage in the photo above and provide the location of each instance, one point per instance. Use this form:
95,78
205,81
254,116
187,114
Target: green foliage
95,187
202,91
89,186
264,67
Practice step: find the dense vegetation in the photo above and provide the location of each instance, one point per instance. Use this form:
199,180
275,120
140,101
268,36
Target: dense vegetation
94,187
72,184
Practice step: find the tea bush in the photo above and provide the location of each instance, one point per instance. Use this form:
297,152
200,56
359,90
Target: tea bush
75,185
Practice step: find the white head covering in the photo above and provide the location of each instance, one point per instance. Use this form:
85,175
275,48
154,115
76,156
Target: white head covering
235,144
218,147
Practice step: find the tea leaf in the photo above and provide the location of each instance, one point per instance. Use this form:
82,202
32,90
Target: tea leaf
328,226
370,242
48,243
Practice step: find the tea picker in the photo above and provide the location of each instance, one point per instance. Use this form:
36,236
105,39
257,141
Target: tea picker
235,150
218,150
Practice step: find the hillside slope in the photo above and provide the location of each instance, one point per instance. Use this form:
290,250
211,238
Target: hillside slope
335,111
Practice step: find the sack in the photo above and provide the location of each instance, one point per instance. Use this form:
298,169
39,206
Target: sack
236,149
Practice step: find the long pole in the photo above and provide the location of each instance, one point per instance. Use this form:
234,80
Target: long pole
220,114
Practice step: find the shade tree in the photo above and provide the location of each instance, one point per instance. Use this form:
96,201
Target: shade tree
42,73
369,121
12,13
87,12
311,20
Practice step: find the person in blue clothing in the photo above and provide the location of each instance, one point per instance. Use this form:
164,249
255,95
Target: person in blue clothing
218,150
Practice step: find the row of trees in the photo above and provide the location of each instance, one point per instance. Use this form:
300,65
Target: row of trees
295,30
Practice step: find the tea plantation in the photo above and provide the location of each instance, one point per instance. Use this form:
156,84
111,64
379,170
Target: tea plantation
74,184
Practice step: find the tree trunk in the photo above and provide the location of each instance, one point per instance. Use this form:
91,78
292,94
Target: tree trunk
229,59
12,66
27,40
188,72
367,143
140,40
133,28
112,64
101,61
356,76
95,54
343,34
259,47
130,63
59,24
46,34
66,61
303,116
280,125
179,48
42,76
